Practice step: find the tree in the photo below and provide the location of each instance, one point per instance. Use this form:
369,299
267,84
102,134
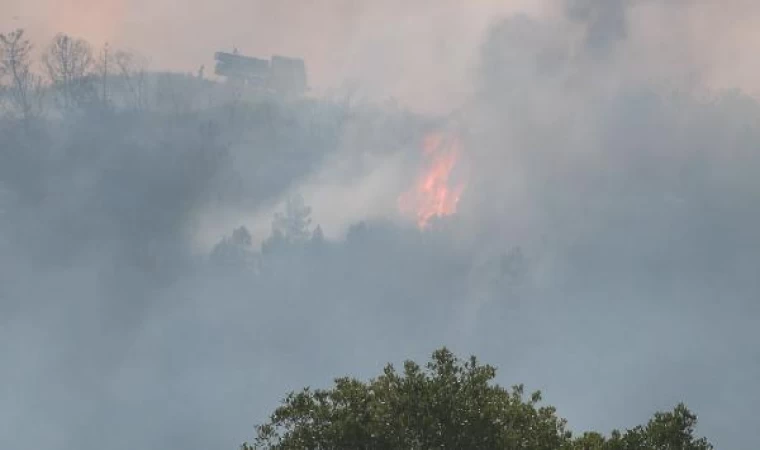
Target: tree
450,404
236,250
665,431
68,62
291,227
102,68
131,69
25,88
318,236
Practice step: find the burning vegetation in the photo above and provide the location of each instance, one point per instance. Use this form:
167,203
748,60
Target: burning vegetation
436,192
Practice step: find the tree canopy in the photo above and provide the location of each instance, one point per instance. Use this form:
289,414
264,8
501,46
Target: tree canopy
450,404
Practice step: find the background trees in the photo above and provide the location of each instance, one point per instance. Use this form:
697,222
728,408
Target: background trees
76,77
450,404
22,87
291,227
68,62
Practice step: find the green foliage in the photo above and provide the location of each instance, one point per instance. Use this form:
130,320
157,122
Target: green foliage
450,404
665,431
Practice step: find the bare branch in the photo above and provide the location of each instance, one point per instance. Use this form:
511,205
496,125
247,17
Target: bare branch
69,62
25,89
132,70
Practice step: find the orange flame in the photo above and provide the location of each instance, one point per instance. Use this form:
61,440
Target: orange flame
433,195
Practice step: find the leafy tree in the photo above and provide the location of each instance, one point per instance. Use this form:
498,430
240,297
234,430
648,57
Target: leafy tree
449,404
665,431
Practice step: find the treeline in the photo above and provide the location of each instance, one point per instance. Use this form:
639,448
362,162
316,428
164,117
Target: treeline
97,147
67,73
70,74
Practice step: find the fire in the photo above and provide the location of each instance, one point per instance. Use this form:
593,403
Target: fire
434,194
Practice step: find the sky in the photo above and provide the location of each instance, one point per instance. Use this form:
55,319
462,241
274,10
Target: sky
420,52
340,40
613,142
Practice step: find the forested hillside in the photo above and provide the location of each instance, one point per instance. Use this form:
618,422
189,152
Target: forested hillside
178,251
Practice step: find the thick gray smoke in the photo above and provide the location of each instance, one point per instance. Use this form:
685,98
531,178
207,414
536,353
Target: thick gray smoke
171,267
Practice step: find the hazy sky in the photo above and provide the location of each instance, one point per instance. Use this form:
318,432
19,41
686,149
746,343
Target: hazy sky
341,40
420,52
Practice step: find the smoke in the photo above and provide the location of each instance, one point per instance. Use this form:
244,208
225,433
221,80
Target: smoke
422,59
621,168
603,250
604,22
97,21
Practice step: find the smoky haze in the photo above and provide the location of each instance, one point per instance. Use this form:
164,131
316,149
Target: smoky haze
177,254
423,58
